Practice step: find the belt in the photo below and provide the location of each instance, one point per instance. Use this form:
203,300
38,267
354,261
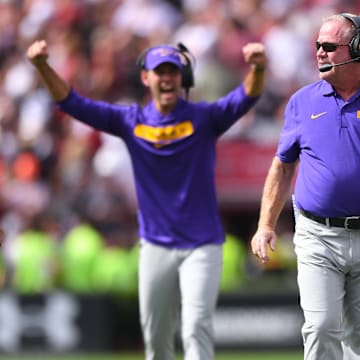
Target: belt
349,223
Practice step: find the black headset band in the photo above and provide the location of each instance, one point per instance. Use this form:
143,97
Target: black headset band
354,44
355,20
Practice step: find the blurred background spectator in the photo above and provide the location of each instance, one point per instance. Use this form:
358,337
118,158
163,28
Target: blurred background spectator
57,175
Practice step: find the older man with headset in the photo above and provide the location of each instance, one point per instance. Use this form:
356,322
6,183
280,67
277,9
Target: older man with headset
321,133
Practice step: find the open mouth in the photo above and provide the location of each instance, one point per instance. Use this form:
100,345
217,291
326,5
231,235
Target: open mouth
167,90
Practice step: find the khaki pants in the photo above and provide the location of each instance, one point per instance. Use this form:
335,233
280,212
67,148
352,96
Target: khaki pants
174,279
329,284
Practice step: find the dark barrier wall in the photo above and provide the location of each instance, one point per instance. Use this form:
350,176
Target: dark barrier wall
262,321
63,322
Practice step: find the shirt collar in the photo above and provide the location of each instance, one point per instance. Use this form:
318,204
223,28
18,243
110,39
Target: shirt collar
157,118
326,88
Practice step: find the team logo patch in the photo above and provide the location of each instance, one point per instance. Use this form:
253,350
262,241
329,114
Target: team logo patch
161,136
165,52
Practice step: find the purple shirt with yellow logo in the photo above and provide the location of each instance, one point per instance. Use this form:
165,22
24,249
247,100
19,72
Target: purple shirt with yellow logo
173,159
323,131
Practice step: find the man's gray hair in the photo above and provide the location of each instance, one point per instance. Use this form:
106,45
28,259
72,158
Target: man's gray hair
350,31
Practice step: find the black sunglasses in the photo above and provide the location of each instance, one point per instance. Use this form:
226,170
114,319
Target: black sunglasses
328,46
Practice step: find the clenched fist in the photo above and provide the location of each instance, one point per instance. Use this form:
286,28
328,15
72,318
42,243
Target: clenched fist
37,52
254,53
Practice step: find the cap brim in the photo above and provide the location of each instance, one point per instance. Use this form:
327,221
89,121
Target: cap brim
155,64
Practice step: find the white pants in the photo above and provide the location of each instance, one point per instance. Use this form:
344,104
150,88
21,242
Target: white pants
170,279
329,284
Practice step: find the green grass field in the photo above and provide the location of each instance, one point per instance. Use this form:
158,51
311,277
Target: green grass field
240,355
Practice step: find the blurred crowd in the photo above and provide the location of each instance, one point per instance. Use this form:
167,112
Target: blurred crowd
57,174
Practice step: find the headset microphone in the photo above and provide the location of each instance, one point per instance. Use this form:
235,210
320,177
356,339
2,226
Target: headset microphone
328,67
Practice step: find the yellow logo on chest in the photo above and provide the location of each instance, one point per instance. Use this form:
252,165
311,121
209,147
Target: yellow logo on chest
164,134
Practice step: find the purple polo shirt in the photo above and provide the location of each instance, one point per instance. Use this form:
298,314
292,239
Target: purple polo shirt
323,131
173,158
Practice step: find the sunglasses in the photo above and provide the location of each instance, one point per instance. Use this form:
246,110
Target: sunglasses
328,46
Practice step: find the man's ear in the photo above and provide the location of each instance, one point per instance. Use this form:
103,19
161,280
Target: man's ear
144,77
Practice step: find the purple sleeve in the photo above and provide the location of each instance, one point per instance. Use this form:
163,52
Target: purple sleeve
231,107
288,147
97,114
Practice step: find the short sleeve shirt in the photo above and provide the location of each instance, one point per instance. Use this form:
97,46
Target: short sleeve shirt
323,132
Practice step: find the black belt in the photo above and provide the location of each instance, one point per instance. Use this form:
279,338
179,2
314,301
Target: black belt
349,223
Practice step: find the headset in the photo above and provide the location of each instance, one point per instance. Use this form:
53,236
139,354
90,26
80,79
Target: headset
354,44
187,73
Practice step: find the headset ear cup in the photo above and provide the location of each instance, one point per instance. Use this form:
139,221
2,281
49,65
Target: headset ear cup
188,80
187,75
355,47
